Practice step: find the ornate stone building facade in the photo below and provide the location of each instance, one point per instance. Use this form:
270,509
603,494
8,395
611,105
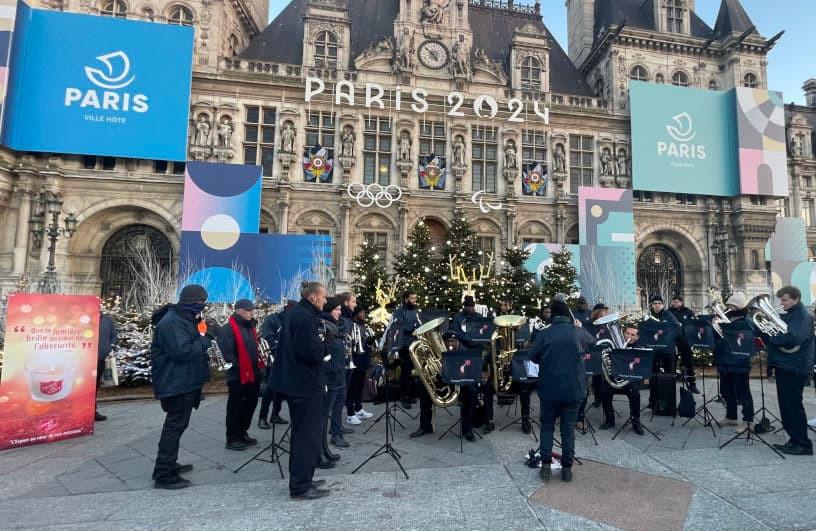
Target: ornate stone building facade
568,110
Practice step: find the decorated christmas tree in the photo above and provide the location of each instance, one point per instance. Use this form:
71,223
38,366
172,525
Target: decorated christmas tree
514,283
461,250
367,268
560,277
417,266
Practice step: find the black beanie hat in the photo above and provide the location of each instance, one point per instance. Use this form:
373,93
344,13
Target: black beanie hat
559,309
656,298
469,302
331,304
244,304
358,310
192,294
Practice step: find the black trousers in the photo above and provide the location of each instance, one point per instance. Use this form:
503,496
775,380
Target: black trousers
469,396
270,397
178,409
632,392
241,404
425,408
524,392
789,389
406,367
306,441
354,395
568,412
686,360
735,389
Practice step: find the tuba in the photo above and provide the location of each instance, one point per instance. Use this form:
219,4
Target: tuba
503,348
765,317
426,354
616,341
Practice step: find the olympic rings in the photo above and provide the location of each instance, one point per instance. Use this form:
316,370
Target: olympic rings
371,194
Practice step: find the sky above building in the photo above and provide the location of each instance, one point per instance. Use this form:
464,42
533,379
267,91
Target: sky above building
790,63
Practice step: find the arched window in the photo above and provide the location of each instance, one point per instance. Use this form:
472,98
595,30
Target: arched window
680,79
148,14
750,80
659,272
114,8
129,257
180,15
531,73
674,16
638,73
326,49
713,85
660,79
755,260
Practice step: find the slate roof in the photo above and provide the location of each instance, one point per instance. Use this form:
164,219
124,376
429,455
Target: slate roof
638,14
732,19
372,20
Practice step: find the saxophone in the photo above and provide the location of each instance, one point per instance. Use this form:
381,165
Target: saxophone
426,354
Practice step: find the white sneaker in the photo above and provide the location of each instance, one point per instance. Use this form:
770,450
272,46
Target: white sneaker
812,422
353,420
363,414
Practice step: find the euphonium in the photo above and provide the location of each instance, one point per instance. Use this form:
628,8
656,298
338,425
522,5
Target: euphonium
426,354
503,348
615,341
765,317
719,317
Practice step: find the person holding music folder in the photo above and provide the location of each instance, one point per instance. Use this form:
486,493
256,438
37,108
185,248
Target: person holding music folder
238,342
270,331
559,352
684,316
632,390
734,370
791,354
301,377
408,314
179,370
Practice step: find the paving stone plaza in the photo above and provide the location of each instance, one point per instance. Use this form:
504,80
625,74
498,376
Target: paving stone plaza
103,481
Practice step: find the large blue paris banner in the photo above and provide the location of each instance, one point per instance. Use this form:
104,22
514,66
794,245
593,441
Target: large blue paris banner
84,84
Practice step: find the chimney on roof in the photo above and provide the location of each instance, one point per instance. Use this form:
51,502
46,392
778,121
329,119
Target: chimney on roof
810,92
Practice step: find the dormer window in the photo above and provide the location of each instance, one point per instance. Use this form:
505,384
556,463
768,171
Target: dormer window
531,73
680,79
674,16
638,73
750,81
326,50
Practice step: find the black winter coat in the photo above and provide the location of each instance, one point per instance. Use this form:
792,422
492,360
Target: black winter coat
682,315
410,322
800,334
666,316
226,342
299,364
108,336
271,329
180,361
559,351
336,343
724,362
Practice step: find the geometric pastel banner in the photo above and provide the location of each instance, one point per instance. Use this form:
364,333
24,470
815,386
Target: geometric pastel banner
608,275
48,387
683,140
541,257
763,157
605,217
788,253
8,11
256,266
91,85
221,198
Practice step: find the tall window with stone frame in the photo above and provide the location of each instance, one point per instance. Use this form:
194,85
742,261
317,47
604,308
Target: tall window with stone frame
432,139
807,212
680,79
638,73
259,137
582,162
377,151
487,246
674,16
531,74
180,16
484,155
320,129
380,242
750,80
325,50
533,147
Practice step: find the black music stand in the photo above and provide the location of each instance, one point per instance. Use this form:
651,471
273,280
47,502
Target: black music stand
461,367
520,375
387,448
277,451
708,418
766,424
635,366
700,336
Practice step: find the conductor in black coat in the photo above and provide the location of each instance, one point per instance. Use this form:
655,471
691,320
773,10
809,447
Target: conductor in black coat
300,376
559,351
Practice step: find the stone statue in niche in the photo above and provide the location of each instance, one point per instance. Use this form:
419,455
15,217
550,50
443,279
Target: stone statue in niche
459,151
288,139
347,142
622,163
606,161
225,133
510,159
404,147
433,11
560,159
202,136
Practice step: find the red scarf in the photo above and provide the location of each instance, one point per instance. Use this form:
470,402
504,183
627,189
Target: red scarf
245,369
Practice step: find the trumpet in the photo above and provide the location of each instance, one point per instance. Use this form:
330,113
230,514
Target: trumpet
217,360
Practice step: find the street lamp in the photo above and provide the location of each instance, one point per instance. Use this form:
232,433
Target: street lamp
45,224
723,251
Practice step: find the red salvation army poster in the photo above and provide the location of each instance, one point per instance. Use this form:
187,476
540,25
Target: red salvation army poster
48,383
